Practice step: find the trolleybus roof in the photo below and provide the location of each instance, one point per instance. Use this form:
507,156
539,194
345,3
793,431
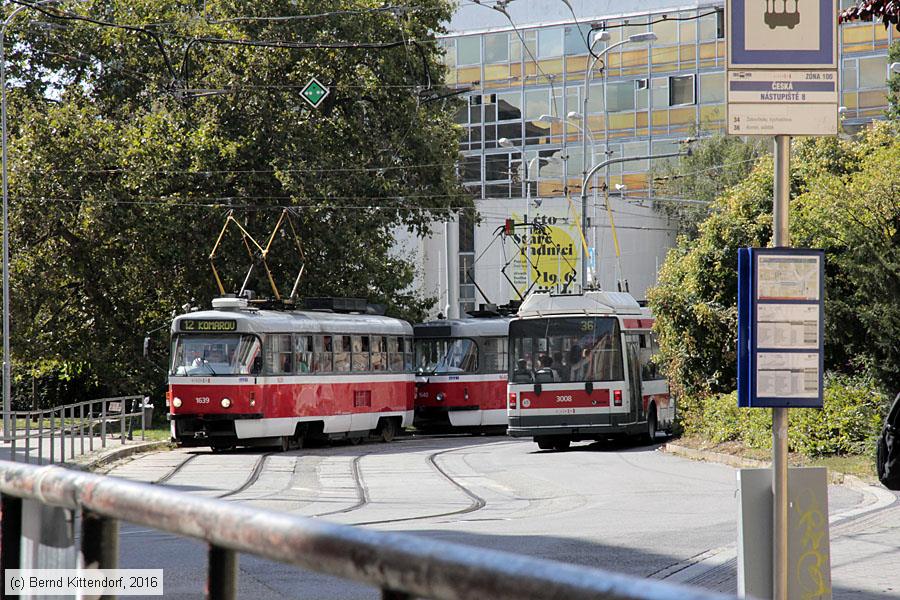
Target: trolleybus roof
542,304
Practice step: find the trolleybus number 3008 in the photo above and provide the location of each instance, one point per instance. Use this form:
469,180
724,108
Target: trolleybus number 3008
564,398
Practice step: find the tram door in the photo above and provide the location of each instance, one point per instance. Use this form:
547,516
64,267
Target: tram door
634,378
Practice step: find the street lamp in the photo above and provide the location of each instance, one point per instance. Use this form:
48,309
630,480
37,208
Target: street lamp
601,36
7,361
895,67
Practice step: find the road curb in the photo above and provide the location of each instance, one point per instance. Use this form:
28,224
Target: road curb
95,462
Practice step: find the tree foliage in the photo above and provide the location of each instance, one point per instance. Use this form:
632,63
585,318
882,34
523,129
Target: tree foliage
685,189
129,147
846,200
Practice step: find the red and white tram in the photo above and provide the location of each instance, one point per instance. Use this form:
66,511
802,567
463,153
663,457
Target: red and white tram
461,368
581,368
244,375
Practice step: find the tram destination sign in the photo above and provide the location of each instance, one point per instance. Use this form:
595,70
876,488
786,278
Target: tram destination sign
782,67
208,325
780,327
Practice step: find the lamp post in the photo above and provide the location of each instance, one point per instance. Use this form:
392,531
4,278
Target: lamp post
601,36
7,361
895,67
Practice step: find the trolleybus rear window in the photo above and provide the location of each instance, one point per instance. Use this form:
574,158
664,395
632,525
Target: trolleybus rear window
211,354
565,349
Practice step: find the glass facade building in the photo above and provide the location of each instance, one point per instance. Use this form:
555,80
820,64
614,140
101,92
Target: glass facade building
522,85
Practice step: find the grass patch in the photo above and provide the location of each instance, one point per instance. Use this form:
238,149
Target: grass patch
858,465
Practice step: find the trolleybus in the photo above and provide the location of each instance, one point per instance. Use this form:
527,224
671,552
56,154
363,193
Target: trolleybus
461,371
581,368
245,375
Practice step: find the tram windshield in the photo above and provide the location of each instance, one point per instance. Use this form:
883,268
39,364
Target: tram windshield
446,356
565,349
208,355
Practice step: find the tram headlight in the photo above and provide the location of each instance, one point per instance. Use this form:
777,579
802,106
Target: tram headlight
176,402
439,397
226,403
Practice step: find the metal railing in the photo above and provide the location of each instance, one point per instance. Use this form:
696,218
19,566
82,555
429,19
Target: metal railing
402,566
76,425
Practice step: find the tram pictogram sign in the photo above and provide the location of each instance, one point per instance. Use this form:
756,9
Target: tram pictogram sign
784,17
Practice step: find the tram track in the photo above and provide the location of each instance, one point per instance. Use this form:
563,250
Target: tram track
476,501
252,478
174,470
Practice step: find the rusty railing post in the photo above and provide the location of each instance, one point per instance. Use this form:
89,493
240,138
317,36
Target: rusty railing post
10,535
221,582
99,541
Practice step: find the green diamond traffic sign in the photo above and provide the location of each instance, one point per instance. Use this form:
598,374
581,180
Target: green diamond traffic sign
314,93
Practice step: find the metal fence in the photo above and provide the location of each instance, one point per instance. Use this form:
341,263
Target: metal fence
74,425
402,566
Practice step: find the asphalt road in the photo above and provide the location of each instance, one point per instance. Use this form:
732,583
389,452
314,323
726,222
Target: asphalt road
627,508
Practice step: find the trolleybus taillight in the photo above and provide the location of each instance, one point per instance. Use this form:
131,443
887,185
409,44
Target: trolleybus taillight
512,400
617,397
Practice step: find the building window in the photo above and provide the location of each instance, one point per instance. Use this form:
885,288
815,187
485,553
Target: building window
466,263
496,48
681,90
620,96
468,50
550,42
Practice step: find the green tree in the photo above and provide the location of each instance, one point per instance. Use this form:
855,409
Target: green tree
685,189
845,201
129,146
893,111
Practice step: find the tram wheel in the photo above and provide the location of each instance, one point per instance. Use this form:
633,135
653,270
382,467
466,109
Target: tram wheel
355,440
561,443
544,442
287,443
219,448
387,430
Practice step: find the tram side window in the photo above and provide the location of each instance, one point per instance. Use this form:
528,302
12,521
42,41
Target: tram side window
379,353
495,354
279,353
360,352
303,352
395,353
342,353
322,349
407,343
650,370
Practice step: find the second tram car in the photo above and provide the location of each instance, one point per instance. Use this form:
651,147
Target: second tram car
581,368
242,375
461,373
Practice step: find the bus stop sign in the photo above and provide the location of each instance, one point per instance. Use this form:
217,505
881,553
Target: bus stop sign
780,327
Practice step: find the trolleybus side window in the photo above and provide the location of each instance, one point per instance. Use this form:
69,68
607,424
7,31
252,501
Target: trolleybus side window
494,354
303,349
379,353
342,353
649,348
360,352
566,349
279,353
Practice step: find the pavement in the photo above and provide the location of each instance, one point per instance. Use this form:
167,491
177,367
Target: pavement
86,453
865,553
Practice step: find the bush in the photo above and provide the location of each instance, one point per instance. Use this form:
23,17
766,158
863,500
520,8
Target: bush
848,423
48,383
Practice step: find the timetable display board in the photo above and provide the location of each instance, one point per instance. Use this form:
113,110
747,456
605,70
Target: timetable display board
780,327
